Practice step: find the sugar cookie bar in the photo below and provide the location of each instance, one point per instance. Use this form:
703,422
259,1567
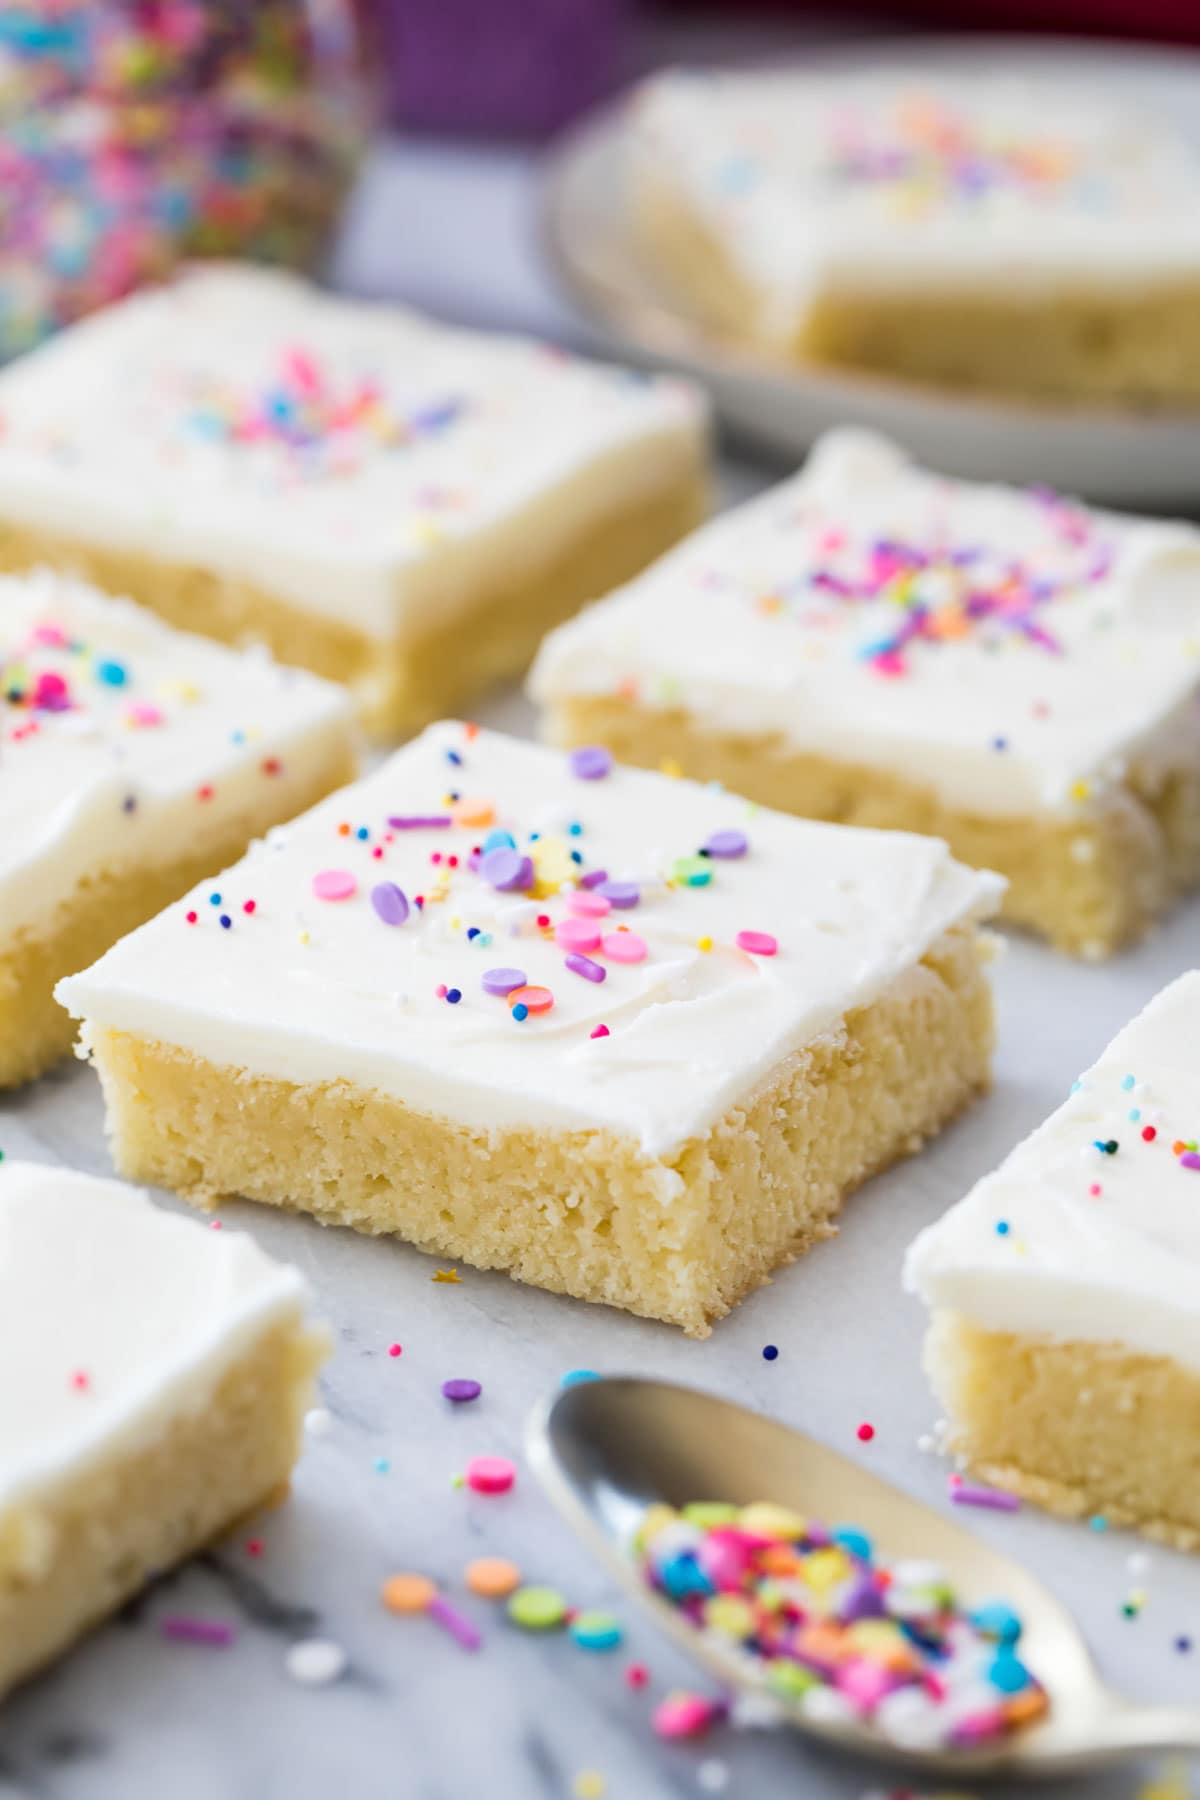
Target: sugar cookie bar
1065,1334
625,1037
1028,239
398,506
133,759
158,1378
874,644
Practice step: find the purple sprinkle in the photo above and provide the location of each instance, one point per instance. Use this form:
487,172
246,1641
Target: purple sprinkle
593,878
502,981
591,763
727,843
1190,1159
583,965
506,869
420,822
620,893
967,1493
461,1389
185,1628
390,903
451,1620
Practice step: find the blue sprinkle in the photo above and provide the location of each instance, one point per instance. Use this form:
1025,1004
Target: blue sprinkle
472,933
498,840
214,899
575,829
1098,1523
852,1539
452,756
112,674
770,1352
381,1465
453,996
577,856
520,1011
226,921
1127,1082
999,743
997,1620
1008,1673
573,1377
362,834
1134,1113
1001,1227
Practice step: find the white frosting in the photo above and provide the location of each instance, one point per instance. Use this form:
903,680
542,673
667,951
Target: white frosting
312,990
114,1318
161,740
1121,1265
735,627
358,461
906,180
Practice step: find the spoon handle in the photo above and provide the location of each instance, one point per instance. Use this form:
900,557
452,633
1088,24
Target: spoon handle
1133,1728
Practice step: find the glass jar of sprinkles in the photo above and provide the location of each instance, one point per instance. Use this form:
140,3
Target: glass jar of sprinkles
136,133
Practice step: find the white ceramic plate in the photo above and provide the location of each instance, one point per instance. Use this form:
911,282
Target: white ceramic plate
1106,456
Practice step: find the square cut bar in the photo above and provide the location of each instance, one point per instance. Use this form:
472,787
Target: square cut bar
625,1037
873,644
133,759
1064,1342
1019,239
396,505
158,1379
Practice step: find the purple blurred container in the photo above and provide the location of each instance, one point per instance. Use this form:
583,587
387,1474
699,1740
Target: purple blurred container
520,67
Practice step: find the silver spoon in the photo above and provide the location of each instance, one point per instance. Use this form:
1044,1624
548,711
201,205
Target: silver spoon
605,1450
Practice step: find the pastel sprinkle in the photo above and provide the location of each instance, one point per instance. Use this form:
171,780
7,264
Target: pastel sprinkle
969,1493
334,884
583,965
596,1631
390,903
588,906
577,934
532,999
461,1388
407,1593
187,1628
621,894
727,844
757,943
624,946
537,1608
492,1577
420,822
506,870
490,1474
683,1715
502,981
692,871
315,1662
600,1031
591,763
459,1627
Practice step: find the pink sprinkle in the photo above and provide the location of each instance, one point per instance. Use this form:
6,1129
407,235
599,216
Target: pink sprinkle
624,946
395,1350
144,712
683,1716
490,1474
588,906
1095,1190
601,1031
577,934
758,943
334,884
186,1628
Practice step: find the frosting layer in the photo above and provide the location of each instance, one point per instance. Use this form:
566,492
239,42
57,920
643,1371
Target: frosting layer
123,741
1091,1229
113,1315
508,936
1008,649
358,461
907,180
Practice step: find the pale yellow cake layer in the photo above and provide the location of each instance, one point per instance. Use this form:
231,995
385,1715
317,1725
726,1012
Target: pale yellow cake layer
397,687
88,1542
34,1030
580,1212
1117,345
1089,883
1083,1429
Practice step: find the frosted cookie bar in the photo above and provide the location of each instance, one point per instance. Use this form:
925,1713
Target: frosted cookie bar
164,1372
1065,1337
1026,238
875,644
627,1038
133,759
393,504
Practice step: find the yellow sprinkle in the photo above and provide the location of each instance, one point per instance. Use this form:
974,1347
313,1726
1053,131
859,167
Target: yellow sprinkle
704,943
304,937
1080,790
765,1517
589,1784
669,766
446,1275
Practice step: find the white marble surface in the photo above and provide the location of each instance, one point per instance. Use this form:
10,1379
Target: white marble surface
129,1717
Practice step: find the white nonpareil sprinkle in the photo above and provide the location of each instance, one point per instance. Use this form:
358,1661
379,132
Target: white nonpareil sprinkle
315,1662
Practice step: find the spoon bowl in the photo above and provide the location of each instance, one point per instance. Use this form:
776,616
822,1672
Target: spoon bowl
606,1450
